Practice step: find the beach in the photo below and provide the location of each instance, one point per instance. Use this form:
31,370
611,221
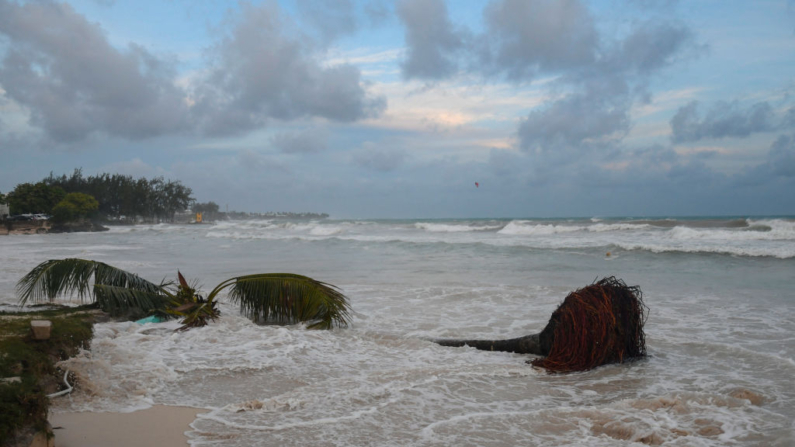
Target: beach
720,352
158,425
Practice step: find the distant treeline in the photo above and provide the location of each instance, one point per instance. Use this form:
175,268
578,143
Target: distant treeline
124,197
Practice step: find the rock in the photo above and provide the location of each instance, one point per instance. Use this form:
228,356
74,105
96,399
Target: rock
710,430
11,380
25,227
742,393
77,227
41,329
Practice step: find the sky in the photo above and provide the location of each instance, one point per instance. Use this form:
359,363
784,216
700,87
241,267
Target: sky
395,109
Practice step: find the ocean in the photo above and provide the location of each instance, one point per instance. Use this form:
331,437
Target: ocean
720,333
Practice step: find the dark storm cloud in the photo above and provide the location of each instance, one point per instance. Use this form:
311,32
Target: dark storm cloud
789,119
781,157
431,40
62,68
262,70
601,110
331,18
651,46
379,158
251,160
614,168
525,37
308,141
722,120
778,167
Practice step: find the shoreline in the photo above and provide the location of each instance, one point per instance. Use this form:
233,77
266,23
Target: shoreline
10,228
158,425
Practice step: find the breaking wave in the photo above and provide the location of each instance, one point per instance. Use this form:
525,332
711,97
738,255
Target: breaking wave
735,237
447,228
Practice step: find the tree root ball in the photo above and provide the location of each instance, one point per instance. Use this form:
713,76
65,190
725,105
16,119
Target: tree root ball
599,324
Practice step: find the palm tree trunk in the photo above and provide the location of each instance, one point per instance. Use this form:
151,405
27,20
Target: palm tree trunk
529,344
598,324
537,344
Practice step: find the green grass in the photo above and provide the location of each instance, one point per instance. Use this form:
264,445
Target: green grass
24,404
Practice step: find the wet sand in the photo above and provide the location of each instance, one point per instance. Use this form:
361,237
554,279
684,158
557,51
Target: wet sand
159,425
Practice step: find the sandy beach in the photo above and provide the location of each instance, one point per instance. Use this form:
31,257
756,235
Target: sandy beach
159,425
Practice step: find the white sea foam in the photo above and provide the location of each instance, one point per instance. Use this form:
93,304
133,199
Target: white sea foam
775,251
326,230
456,228
774,238
527,228
776,232
270,384
618,227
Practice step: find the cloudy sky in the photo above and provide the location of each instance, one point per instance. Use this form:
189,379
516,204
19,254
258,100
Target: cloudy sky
396,108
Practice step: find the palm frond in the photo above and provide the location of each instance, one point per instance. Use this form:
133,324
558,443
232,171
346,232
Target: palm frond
185,303
287,298
119,300
73,276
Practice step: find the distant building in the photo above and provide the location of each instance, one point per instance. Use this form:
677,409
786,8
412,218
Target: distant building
4,211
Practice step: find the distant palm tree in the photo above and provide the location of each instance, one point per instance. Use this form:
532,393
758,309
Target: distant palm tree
263,297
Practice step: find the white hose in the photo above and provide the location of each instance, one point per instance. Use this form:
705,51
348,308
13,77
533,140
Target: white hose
66,391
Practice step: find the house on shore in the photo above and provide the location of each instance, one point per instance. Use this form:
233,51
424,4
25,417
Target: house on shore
4,211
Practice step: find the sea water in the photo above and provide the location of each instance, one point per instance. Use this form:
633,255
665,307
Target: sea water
720,333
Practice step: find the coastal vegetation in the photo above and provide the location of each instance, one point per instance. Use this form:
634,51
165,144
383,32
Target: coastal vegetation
34,198
280,298
104,197
122,196
118,197
74,206
122,199
27,366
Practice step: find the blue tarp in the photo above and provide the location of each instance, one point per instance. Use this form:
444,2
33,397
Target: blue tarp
152,319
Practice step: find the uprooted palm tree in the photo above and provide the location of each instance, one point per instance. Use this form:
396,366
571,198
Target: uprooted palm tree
598,324
264,297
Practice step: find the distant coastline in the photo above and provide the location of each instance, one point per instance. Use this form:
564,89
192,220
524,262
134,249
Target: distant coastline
26,227
47,227
275,215
220,216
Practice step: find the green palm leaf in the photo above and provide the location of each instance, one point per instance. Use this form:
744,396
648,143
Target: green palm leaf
267,297
113,288
117,300
287,298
